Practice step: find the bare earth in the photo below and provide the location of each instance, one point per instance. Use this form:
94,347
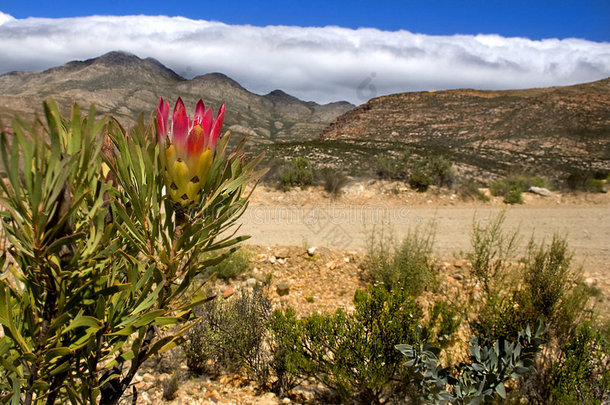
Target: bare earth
311,218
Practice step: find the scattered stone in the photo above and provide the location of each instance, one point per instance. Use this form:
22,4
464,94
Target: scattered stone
458,263
229,291
283,289
311,251
331,265
281,261
272,259
251,282
282,253
458,277
286,400
590,282
346,259
545,192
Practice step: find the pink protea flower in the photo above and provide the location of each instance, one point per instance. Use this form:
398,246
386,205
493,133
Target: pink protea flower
187,148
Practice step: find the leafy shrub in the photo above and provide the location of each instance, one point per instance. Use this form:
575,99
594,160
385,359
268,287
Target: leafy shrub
298,174
420,179
513,196
444,322
481,380
236,264
470,189
434,170
100,257
334,181
582,376
407,266
231,334
387,168
595,186
353,354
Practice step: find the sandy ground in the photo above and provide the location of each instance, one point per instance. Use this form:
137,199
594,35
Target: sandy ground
310,218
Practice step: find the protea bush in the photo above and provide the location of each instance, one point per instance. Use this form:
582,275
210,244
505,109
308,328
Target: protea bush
100,245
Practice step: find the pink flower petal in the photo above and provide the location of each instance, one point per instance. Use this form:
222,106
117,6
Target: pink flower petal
194,143
162,118
199,111
180,124
207,121
217,127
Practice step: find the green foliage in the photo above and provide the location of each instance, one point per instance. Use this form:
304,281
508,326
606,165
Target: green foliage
513,196
481,380
595,186
470,189
334,181
231,335
444,321
435,170
387,168
582,376
512,187
298,174
98,267
353,354
406,266
236,264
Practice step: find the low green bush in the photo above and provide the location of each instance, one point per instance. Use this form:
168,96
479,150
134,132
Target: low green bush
514,196
352,354
236,264
582,375
298,174
470,190
334,181
595,186
231,334
407,265
483,379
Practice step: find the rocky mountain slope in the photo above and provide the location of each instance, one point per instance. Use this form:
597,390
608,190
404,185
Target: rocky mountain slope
125,85
553,129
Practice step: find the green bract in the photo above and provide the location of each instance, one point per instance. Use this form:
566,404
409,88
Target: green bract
96,260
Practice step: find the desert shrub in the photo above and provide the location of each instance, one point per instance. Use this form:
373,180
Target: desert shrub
406,265
298,174
481,380
434,170
538,181
334,181
470,190
420,179
170,387
511,188
595,186
551,288
514,196
582,375
353,354
231,334
387,168
443,323
236,264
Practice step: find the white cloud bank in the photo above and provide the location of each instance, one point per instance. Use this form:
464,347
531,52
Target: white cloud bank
321,64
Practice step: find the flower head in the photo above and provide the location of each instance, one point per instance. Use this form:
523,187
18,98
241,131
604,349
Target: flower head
187,148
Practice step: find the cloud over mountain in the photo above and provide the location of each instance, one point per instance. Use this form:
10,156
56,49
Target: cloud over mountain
321,64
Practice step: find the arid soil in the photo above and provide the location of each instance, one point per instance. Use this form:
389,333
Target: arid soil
284,226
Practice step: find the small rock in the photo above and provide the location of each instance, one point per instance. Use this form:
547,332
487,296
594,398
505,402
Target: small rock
286,400
346,259
331,265
458,277
590,282
147,377
311,251
272,259
283,289
545,192
281,261
282,253
458,263
251,282
228,292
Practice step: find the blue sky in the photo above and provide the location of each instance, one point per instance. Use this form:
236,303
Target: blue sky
587,19
325,50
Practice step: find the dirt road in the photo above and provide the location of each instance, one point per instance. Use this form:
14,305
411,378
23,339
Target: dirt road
346,226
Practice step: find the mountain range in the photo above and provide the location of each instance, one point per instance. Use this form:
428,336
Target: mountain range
125,85
547,131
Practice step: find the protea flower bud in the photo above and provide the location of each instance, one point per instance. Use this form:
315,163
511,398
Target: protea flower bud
187,148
